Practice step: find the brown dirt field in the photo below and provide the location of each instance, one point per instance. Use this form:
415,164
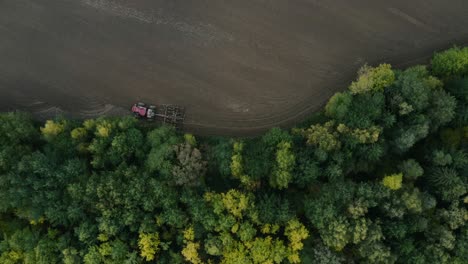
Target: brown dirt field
239,66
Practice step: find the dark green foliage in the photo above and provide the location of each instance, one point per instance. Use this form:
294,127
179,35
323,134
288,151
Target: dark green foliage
219,155
381,177
274,209
411,169
161,141
449,185
459,89
17,138
316,252
307,169
442,108
364,111
338,105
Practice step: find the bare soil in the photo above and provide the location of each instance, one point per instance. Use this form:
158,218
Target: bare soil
239,67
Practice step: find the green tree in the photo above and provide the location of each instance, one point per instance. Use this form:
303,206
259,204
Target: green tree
373,79
190,167
393,182
411,169
161,155
322,136
285,161
451,63
338,105
149,245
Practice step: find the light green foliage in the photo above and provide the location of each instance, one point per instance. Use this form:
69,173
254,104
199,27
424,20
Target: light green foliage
235,202
357,209
237,166
241,242
149,245
246,231
393,182
103,129
455,216
413,201
405,108
358,230
285,161
338,105
190,250
51,129
236,163
451,63
190,139
335,235
363,136
367,136
267,250
70,256
79,133
296,233
322,136
373,79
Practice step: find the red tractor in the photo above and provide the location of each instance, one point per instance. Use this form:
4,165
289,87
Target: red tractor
141,110
167,114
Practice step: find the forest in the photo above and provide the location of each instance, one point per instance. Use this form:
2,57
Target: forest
379,176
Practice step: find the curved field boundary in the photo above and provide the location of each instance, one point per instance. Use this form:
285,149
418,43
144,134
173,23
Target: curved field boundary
239,67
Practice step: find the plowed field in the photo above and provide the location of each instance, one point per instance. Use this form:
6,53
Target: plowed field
238,66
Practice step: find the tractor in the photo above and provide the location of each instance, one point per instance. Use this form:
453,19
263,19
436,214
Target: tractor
167,114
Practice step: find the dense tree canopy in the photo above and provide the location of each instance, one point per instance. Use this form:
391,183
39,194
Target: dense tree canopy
381,176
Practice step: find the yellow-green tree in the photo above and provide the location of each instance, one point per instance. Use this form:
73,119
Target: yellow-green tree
373,79
238,236
285,161
393,182
323,136
148,243
52,129
190,250
237,166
